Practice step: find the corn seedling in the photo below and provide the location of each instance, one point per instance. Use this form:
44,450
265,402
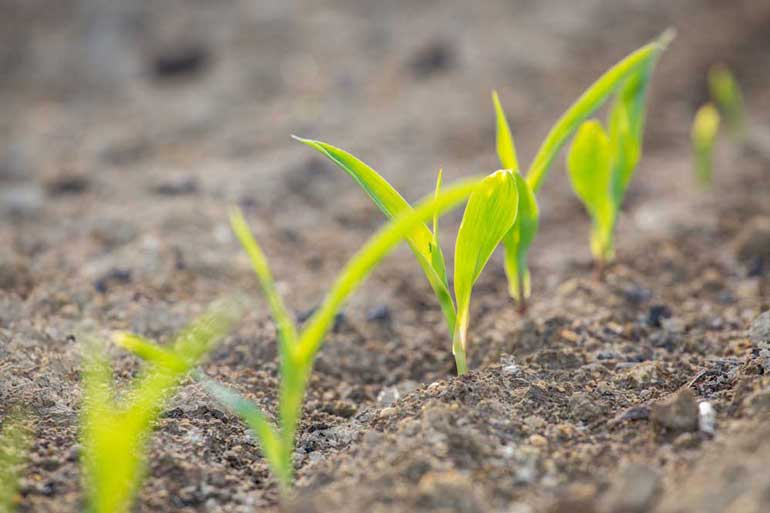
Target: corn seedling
115,430
297,349
601,163
14,440
704,133
630,75
727,96
491,212
726,102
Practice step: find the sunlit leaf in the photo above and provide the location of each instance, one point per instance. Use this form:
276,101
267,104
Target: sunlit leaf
518,241
489,215
115,432
588,103
391,203
506,149
590,167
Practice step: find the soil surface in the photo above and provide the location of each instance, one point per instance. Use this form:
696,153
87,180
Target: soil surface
129,127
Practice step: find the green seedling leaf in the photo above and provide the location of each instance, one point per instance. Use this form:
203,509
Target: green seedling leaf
517,242
149,351
631,74
114,432
15,439
391,203
704,132
727,95
506,150
489,215
286,328
589,102
590,166
296,365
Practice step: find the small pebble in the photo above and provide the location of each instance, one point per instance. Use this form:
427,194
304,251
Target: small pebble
676,414
707,418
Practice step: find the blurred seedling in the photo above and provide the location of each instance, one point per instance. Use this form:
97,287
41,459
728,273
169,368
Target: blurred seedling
297,350
705,127
726,102
15,438
490,214
115,427
630,77
727,96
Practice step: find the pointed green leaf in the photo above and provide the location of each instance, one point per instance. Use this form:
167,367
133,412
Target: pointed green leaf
392,204
287,331
506,149
588,103
489,215
149,351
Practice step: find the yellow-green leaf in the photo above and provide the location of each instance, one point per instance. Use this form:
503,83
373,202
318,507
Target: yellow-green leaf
392,204
506,149
518,240
489,215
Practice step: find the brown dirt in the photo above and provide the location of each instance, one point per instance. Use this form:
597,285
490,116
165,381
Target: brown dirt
132,126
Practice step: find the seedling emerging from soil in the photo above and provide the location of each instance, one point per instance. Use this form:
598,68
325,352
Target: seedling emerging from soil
115,430
727,96
727,103
601,163
490,214
297,350
704,133
14,440
631,74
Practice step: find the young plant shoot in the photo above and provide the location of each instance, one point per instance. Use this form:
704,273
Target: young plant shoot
727,96
600,163
297,350
14,440
491,212
705,127
635,68
115,432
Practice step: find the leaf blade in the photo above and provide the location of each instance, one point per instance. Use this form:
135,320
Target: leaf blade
489,214
506,149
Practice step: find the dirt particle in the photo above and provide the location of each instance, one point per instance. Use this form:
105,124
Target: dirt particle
447,491
538,440
677,414
435,57
656,314
759,333
752,244
635,491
